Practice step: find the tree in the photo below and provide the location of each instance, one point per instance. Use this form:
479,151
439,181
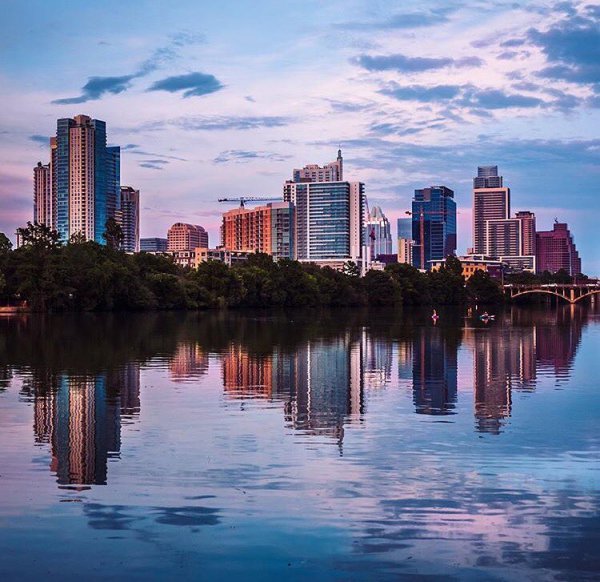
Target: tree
351,269
39,236
113,234
382,288
5,244
483,289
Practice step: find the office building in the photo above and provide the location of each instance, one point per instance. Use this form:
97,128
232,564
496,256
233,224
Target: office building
82,186
511,237
153,245
332,172
329,221
555,250
405,241
43,207
267,229
129,218
186,237
378,234
434,225
491,201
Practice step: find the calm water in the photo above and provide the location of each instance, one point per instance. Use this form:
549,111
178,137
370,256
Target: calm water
301,446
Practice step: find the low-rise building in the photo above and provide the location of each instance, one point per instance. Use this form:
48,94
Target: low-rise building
472,263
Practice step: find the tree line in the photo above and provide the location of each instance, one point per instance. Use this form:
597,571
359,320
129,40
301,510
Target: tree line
85,276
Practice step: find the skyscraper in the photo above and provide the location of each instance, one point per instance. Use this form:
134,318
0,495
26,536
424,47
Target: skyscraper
329,220
434,225
186,237
556,250
491,201
129,218
43,208
378,234
84,178
267,229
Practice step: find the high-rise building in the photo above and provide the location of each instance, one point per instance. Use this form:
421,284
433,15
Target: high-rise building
491,201
528,231
332,172
153,245
84,178
129,218
329,220
378,234
266,229
434,225
405,241
511,237
186,237
555,250
43,211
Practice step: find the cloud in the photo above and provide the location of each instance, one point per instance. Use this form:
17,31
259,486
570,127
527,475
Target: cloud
422,92
40,139
218,123
401,21
96,87
497,99
572,49
153,164
192,84
240,156
405,64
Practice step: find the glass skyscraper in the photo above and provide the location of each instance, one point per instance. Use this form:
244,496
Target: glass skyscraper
433,225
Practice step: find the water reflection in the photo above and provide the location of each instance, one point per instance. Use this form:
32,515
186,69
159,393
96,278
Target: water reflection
82,374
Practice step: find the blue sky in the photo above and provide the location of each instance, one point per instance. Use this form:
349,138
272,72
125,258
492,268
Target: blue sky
224,99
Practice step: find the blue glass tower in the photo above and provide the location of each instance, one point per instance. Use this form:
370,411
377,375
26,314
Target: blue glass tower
62,177
433,225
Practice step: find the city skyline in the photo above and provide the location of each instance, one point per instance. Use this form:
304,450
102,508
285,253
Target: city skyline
405,117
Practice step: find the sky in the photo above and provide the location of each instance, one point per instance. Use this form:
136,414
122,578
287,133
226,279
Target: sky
223,99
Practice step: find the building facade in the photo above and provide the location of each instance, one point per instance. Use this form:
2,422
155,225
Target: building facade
186,237
377,234
329,220
405,241
43,206
83,180
332,172
153,245
491,201
267,229
129,218
556,250
433,225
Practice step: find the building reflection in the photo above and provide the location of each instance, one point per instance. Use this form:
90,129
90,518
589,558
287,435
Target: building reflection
320,383
80,417
435,369
189,362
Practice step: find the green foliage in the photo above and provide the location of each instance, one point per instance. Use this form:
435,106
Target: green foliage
86,276
113,234
481,288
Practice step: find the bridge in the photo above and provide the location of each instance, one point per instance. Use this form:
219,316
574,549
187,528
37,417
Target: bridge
571,292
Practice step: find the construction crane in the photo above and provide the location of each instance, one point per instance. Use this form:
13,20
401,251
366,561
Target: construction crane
243,199
422,214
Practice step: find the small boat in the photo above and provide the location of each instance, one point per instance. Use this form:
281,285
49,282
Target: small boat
486,317
435,316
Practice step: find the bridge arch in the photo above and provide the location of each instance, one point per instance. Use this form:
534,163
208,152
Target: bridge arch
541,291
588,294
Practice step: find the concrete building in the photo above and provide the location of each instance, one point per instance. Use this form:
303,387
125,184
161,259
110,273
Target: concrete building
378,234
267,229
511,237
332,172
186,237
153,245
228,257
434,225
129,218
405,241
556,250
329,221
472,263
43,205
491,201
